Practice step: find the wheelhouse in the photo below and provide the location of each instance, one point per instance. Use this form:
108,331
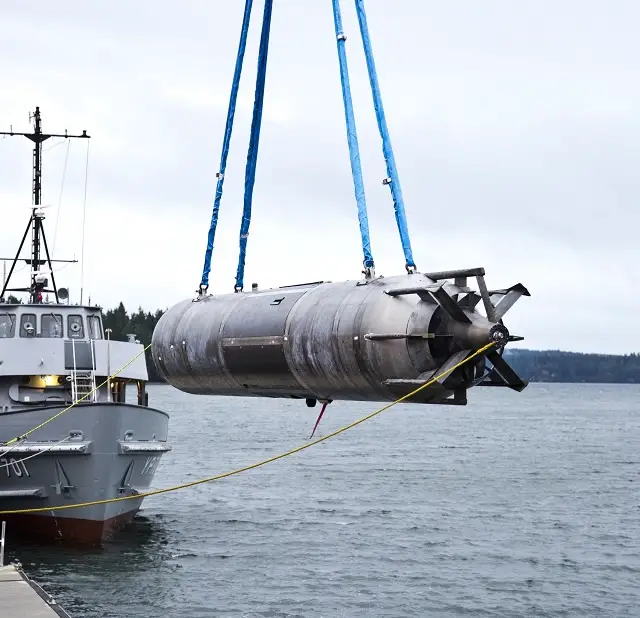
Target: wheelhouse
57,353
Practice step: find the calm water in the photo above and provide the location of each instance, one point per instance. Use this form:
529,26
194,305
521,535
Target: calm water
516,505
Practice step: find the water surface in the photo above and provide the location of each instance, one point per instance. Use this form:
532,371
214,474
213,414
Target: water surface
515,505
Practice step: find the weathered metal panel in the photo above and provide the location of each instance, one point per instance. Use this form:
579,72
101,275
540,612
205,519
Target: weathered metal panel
325,347
114,355
78,355
253,340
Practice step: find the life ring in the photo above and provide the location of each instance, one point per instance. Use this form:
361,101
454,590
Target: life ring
28,326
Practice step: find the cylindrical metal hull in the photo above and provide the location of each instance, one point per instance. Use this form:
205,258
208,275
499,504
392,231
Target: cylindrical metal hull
320,341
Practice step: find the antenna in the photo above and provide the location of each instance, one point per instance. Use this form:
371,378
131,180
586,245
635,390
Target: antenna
38,283
84,219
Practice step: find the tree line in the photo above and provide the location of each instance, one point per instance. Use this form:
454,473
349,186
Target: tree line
558,366
532,365
141,324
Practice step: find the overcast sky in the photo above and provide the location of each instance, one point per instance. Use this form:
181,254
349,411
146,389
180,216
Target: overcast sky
516,128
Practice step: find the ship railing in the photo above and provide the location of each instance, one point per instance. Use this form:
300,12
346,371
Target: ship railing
2,535
83,382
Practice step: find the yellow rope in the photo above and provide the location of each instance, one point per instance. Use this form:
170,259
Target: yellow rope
217,477
75,403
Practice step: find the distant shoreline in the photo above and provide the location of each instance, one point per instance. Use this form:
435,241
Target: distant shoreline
554,366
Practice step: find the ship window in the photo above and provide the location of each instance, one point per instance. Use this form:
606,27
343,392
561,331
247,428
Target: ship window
75,327
28,325
7,325
95,328
51,325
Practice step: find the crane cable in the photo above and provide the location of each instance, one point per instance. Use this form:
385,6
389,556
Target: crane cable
254,140
231,112
352,142
392,179
293,451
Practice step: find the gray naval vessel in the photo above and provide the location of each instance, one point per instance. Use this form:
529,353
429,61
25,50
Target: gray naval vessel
53,354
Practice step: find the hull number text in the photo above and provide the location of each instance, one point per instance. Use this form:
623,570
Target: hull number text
150,466
14,467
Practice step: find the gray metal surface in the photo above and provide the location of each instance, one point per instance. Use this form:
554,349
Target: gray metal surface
353,340
92,452
20,597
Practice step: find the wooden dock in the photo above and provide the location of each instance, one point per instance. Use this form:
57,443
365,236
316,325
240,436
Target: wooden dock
21,597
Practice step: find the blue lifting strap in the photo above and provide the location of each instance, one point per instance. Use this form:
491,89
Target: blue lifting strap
225,144
352,139
250,174
392,180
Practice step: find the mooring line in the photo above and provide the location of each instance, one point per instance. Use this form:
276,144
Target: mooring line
258,464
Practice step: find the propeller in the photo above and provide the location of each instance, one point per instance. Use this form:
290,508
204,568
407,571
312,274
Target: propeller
471,332
496,304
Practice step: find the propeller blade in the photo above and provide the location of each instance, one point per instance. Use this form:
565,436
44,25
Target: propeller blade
509,299
486,299
504,370
469,300
439,294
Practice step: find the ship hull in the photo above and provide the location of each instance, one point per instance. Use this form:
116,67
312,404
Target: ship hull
71,532
91,453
